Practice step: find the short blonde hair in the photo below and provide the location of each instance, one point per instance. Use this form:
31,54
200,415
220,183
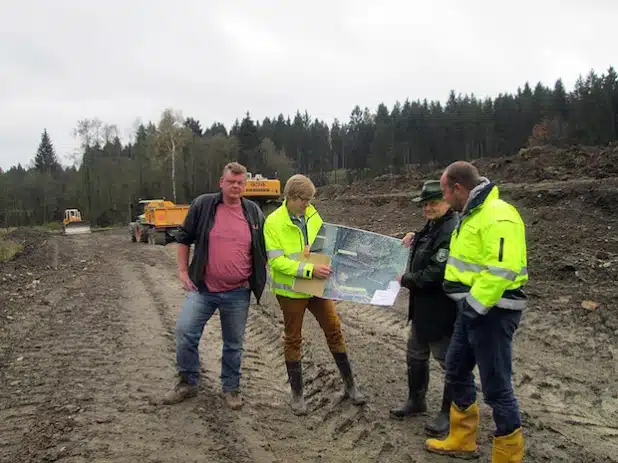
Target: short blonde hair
299,186
235,168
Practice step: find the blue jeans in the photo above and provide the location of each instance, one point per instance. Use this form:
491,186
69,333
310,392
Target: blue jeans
486,341
197,309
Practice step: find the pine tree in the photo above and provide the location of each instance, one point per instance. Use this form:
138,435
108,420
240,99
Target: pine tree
249,139
45,159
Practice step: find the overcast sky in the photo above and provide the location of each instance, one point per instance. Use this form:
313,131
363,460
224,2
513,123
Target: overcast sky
64,60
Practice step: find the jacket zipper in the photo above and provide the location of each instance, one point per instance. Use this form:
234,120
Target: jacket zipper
302,235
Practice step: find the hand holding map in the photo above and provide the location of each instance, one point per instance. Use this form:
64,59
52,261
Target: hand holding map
407,240
322,271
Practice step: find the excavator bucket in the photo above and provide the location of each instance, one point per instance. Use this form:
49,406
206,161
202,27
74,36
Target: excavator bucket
76,228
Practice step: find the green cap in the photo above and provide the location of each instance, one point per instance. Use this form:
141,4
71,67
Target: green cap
431,190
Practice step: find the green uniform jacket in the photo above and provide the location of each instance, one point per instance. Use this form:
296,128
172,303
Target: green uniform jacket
285,242
487,262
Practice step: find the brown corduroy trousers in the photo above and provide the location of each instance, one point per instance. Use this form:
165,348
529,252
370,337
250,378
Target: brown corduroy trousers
324,312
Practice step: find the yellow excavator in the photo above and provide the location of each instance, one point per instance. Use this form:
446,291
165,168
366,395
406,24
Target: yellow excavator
73,223
264,191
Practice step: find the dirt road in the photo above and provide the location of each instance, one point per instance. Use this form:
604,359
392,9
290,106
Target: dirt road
86,349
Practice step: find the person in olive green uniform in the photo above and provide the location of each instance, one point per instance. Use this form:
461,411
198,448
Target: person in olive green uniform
485,274
431,311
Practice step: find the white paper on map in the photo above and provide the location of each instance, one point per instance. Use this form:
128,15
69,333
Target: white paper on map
386,296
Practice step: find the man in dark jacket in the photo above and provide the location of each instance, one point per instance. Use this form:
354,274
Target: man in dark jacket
229,262
432,313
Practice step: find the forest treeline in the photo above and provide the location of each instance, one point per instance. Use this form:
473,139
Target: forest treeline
179,158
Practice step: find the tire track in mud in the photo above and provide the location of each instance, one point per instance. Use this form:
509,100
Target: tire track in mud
49,381
234,443
556,390
376,338
89,369
333,430
31,409
132,306
127,425
129,315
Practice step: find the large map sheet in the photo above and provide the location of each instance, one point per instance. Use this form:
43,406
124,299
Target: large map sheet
365,264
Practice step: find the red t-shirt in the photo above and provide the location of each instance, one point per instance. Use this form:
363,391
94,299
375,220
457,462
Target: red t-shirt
229,250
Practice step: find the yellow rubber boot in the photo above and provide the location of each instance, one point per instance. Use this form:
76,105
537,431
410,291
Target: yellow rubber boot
508,449
461,439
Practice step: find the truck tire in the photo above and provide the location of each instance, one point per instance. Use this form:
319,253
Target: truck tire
157,237
142,234
160,238
132,232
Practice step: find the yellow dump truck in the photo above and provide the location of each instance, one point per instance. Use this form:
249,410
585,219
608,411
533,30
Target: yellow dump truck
157,222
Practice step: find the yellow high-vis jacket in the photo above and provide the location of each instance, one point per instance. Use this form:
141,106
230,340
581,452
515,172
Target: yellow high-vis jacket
487,261
285,242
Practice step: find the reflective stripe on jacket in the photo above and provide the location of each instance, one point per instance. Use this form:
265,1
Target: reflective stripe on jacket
487,262
285,242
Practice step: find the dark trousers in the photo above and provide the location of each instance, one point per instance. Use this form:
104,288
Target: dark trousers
486,342
419,351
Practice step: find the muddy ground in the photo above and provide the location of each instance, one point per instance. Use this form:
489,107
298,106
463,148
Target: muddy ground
86,349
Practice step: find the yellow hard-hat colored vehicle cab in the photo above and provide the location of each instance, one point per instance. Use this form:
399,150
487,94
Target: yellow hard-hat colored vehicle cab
266,192
73,224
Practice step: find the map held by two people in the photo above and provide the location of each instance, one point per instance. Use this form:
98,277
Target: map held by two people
365,265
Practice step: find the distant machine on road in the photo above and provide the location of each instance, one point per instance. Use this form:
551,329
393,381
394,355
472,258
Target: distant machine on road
73,224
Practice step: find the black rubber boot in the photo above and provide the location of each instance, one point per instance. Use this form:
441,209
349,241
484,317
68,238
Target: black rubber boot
295,375
351,388
418,381
440,424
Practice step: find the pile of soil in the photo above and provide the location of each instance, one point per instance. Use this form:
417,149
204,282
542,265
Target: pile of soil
412,180
529,165
542,163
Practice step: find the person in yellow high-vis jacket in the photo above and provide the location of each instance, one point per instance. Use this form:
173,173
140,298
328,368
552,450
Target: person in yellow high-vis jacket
485,273
290,231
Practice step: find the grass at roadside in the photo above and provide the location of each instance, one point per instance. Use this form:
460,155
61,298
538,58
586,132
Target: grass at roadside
8,247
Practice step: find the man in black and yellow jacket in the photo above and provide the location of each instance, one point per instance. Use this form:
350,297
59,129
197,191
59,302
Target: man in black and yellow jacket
485,273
